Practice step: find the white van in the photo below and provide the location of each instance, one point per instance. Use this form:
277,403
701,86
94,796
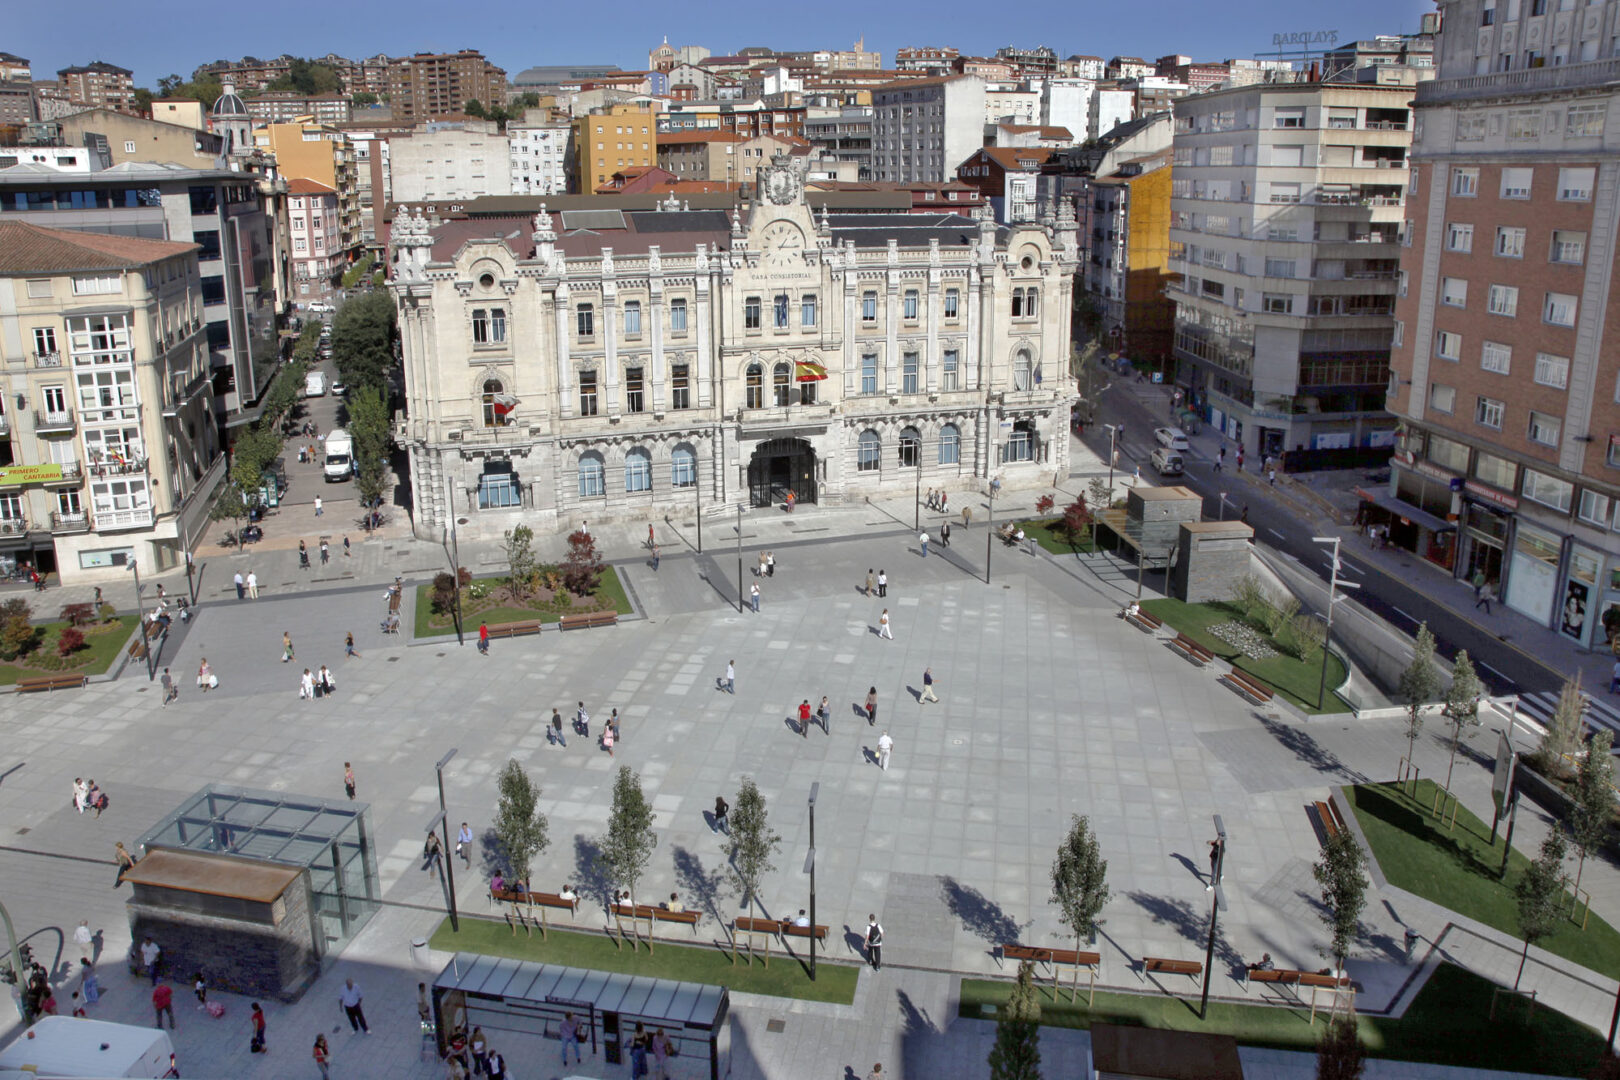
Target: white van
67,1046
315,384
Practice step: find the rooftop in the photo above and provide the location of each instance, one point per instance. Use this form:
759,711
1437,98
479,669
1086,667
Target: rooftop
33,249
301,186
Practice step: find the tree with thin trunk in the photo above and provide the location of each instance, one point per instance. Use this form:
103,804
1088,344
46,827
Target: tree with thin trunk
1462,704
752,842
1340,1055
1079,879
521,829
629,843
1017,1052
1420,684
1537,893
1342,875
1592,800
1563,734
520,557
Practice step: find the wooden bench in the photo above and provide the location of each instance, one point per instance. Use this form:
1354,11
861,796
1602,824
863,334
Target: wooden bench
790,929
690,918
1154,964
587,619
1193,651
1026,952
751,928
1334,984
1090,960
1273,975
1144,621
1250,687
50,682
1328,815
638,913
515,629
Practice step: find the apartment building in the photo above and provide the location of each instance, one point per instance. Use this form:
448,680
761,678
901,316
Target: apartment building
1008,177
432,85
14,68
285,106
98,84
842,132
1506,373
922,129
1037,63
934,59
1083,66
746,118
1287,203
314,226
611,140
700,155
1125,230
126,137
326,155
538,153
16,103
108,449
450,161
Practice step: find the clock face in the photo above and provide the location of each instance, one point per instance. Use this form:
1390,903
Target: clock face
783,244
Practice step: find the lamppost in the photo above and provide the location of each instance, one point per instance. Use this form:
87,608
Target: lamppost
697,499
191,581
990,537
455,555
1223,505
740,600
140,621
810,868
1113,455
444,862
1216,903
1334,585
449,866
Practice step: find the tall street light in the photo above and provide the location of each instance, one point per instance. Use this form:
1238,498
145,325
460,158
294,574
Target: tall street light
990,537
810,868
455,555
140,620
1334,585
449,862
1216,903
740,600
1113,455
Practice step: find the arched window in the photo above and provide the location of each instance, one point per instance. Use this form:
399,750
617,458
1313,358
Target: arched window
754,381
950,445
868,452
683,467
910,448
782,383
1021,369
492,417
592,484
638,470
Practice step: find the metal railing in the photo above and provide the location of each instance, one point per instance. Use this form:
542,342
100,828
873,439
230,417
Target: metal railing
1528,80
69,523
48,359
52,420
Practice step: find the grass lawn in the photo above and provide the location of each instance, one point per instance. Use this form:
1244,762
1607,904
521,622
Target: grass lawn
1293,679
1049,536
786,977
1457,870
102,641
1447,1024
428,624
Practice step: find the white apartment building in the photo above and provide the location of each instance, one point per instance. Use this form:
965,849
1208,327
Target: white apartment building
539,156
1067,103
314,228
922,129
1287,204
443,162
1110,107
1012,105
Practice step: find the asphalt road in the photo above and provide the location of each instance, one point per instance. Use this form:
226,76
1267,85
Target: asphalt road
1505,667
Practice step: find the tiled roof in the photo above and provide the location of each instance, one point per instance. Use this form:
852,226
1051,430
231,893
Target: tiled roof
911,84
33,249
1018,157
302,186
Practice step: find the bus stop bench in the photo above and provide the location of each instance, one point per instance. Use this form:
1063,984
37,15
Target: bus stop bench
50,682
515,629
1152,964
1251,688
588,619
1193,651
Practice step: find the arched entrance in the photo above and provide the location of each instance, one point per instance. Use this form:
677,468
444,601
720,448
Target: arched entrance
780,466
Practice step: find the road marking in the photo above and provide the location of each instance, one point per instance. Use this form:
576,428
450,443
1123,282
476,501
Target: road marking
1289,557
1403,614
1493,671
1346,564
1277,534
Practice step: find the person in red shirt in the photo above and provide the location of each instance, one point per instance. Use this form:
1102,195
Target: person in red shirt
256,1045
483,638
804,718
163,1002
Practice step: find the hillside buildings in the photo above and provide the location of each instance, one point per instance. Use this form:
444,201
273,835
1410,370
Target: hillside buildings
428,86
98,84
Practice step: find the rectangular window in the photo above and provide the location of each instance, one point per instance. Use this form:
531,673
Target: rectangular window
1496,471
751,310
1277,303
680,386
869,380
632,317
1575,185
1559,310
677,316
948,377
1280,268
779,311
635,390
1516,183
103,285
908,373
1504,300
869,307
1594,508
1523,124
1568,246
1454,292
1284,193
953,300
1442,398
1552,370
1459,237
1448,346
585,321
1488,411
1510,242
1448,453
1465,182
1494,356
910,305
587,393
45,340
1584,121
1288,118
39,288
1543,429
1548,490
807,311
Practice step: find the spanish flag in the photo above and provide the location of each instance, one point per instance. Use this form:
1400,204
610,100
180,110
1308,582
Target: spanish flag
808,371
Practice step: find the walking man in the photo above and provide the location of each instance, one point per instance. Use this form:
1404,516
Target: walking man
928,687
286,646
922,538
163,1002
1478,581
945,535
883,583
150,955
348,645
568,1032
483,638
345,546
823,713
870,581
241,586
464,842
885,748
556,728
348,779
253,585
657,553
1487,593
1215,851
883,626
256,1044
351,999
874,943
169,691
730,683
753,596
326,553
804,718
317,506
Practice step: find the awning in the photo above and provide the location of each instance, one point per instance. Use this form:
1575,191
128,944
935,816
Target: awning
1403,509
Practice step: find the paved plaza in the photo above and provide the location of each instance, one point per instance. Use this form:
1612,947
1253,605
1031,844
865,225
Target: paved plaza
1050,706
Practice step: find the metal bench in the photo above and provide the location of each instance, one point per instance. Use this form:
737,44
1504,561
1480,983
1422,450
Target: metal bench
50,682
587,619
1193,651
1250,687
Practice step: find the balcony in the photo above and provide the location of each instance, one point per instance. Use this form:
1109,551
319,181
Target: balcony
13,526
117,467
1526,81
47,359
5,425
72,474
53,422
112,520
69,523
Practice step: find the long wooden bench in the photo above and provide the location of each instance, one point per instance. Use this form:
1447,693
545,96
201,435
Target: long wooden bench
587,619
1160,964
1193,651
1250,687
1145,621
1092,961
515,629
1334,984
749,928
1271,975
521,908
1026,952
638,913
50,682
791,929
1328,815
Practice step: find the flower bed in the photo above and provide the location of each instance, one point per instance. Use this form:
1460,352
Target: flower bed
1245,639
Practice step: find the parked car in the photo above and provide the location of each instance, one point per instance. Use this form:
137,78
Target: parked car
1170,438
1167,462
337,389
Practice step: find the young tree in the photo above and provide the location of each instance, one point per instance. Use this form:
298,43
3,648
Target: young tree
1308,634
1592,799
752,843
1077,520
1098,493
1079,879
1017,1052
1537,893
582,570
1564,730
629,843
368,425
1420,683
520,556
1462,704
521,829
1340,1055
1341,874
230,506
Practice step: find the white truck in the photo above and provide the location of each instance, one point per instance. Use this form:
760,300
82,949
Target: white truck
315,384
70,1047
339,456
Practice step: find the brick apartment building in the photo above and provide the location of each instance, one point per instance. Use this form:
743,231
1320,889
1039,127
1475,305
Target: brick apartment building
430,85
99,83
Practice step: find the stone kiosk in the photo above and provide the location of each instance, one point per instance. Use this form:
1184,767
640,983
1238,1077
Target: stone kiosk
1211,556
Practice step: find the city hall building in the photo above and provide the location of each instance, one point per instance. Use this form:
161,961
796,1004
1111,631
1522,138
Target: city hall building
624,364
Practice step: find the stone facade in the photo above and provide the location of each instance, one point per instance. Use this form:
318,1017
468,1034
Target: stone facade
1210,557
621,364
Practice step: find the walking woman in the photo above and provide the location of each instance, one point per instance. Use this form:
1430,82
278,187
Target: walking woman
126,862
323,1056
871,706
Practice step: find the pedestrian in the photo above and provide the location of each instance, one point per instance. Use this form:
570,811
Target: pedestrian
345,545
199,986
657,554
478,1046
163,1002
205,676
351,999
306,686
348,645
303,556
556,728
1240,459
323,1057
464,843
762,559
871,706
651,542
753,597
1478,580
721,811
1215,850
730,683
568,1032
874,943
770,564
241,585
256,1043
1486,595
922,538
582,721
1614,679
84,939
613,722
885,747
151,957
483,638
348,779
1220,458
883,626
804,718
80,790
495,1066
1271,474
126,862
944,504
607,738
871,582
662,1052
928,687
170,691
883,583
88,981
253,585
317,506
876,1073
822,714
995,481
188,563
945,535
967,516
424,1011
286,646
326,553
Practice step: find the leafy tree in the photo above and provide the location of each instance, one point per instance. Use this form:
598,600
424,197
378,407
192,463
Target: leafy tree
1079,878
309,77
1419,685
70,640
520,556
1308,634
1098,493
475,108
359,272
369,428
17,636
230,506
362,99
78,614
529,100
629,843
752,842
1017,1052
582,570
1077,520
1564,729
363,335
521,829
1462,704
1592,799
1280,614
1340,1055
1537,893
443,595
1341,874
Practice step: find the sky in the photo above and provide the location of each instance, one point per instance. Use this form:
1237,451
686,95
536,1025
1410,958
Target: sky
164,36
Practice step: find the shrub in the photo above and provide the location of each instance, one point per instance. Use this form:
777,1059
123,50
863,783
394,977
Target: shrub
1281,614
1077,520
583,570
1307,634
107,612
70,641
15,608
1044,504
17,637
78,614
444,593
1249,597
463,576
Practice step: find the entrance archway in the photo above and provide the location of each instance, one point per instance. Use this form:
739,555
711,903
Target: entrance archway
780,466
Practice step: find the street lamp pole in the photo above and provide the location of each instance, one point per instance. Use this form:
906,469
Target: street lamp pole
1216,903
1334,585
455,555
697,498
140,620
449,862
740,601
1223,505
990,536
810,868
1113,452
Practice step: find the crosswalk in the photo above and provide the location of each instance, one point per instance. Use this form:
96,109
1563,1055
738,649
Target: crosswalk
1539,706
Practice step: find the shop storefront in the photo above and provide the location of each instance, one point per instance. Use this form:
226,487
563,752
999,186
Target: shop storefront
1577,618
1418,514
1483,542
1532,578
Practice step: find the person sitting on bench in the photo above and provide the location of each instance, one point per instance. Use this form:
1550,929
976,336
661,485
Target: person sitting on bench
497,884
1132,609
673,904
802,919
1265,964
568,892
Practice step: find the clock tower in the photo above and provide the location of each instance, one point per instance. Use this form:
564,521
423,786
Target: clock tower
781,227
